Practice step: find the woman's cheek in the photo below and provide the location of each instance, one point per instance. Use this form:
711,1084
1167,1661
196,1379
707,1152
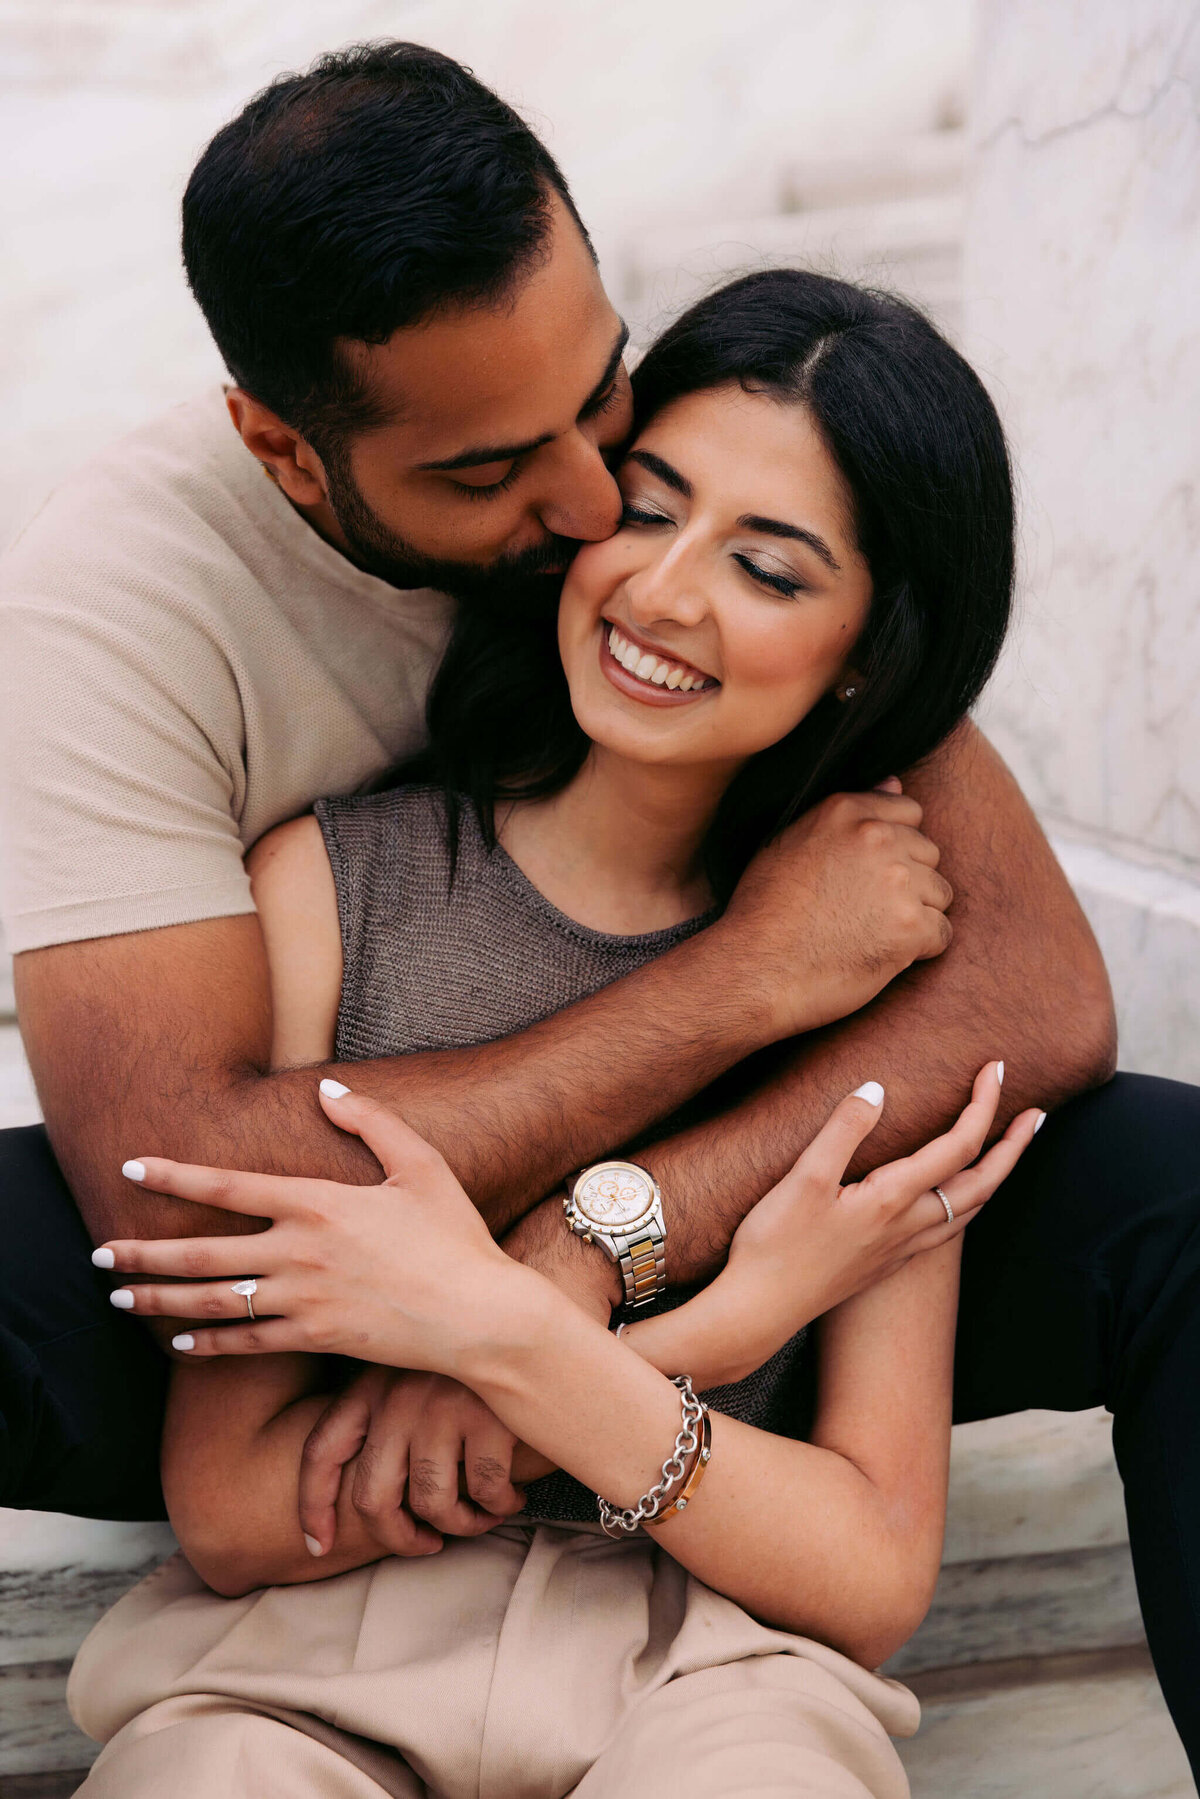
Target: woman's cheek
782,679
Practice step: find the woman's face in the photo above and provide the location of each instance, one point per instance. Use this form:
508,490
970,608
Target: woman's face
731,597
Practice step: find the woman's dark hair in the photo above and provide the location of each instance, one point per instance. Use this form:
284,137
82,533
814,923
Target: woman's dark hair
922,453
352,200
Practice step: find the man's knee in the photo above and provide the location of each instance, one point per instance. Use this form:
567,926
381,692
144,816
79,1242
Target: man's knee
81,1388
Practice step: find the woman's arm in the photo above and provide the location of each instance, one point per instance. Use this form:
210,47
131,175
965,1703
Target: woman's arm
293,889
431,1289
839,1538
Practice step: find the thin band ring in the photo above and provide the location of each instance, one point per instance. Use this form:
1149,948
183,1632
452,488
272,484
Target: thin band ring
946,1203
246,1290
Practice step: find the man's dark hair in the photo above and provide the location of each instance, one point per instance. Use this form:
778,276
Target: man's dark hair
348,202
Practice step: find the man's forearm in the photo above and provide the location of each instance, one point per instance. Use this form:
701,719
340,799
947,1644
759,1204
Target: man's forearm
512,1116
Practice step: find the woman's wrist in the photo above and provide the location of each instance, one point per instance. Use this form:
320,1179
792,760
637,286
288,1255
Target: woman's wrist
511,1330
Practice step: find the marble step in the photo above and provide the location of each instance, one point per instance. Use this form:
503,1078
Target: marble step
1077,1727
1036,1564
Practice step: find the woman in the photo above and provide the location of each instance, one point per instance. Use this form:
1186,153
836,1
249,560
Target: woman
808,588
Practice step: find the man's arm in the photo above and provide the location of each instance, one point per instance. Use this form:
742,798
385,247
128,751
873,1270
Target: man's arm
160,1041
1023,981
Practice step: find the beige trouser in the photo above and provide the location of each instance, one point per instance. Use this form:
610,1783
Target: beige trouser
525,1664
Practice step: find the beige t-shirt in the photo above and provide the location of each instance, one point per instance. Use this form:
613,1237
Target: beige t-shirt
184,663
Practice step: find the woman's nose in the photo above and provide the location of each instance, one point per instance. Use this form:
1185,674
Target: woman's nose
667,588
580,498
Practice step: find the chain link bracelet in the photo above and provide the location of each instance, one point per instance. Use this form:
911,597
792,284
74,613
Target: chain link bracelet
618,1521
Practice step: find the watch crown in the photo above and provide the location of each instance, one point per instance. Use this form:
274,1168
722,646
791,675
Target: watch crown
587,1236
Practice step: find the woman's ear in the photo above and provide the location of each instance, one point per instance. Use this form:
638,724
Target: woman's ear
849,686
287,458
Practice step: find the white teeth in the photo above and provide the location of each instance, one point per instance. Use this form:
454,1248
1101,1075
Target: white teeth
651,668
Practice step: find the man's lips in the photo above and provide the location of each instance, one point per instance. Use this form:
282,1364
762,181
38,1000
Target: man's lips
618,647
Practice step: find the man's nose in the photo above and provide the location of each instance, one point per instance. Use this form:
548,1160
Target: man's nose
581,498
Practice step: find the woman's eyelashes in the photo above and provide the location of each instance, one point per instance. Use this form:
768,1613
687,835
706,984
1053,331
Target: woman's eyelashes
641,515
788,585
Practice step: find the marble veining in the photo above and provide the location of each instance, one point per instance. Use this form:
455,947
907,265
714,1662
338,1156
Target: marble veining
1082,261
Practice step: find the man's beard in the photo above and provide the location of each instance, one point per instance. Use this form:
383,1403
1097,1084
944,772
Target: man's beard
523,586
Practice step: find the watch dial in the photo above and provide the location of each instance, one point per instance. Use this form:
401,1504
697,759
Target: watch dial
614,1195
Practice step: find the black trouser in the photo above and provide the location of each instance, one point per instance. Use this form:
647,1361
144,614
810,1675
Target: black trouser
1081,1286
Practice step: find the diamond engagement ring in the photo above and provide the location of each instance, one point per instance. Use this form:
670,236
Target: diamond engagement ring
937,1190
247,1289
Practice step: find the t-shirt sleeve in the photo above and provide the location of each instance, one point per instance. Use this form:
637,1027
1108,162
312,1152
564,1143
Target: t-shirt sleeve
121,778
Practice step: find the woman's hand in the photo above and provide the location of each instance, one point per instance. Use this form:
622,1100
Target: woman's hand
811,1243
404,1273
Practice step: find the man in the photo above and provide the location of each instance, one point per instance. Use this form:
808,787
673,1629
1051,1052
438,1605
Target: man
239,610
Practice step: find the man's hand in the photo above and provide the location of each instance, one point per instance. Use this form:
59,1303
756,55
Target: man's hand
400,1440
847,898
390,1427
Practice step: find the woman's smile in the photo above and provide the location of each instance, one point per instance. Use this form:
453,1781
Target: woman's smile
644,672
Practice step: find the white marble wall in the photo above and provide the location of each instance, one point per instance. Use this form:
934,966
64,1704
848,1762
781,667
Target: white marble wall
1082,270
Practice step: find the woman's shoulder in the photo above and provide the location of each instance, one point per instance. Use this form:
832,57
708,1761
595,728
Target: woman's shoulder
411,805
374,838
286,852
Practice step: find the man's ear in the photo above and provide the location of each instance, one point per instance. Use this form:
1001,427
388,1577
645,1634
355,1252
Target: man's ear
281,449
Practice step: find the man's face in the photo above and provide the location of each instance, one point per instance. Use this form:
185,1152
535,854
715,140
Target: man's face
491,467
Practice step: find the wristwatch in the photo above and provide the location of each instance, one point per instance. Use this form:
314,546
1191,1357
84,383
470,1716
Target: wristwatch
618,1205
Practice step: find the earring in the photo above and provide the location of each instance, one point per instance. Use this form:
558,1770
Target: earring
847,693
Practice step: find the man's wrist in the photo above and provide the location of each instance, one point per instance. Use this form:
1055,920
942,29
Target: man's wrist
740,1008
542,1241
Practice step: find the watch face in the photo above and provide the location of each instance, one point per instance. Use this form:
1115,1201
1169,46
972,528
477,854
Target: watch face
614,1195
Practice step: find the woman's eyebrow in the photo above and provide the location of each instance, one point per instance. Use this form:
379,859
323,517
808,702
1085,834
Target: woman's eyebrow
670,476
749,521
775,527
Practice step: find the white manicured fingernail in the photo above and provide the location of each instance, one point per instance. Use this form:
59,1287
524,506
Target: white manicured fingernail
1000,1074
310,1543
1041,1121
334,1090
871,1091
134,1171
184,1340
122,1299
103,1258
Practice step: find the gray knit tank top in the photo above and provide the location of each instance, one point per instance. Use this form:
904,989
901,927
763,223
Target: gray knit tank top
432,965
